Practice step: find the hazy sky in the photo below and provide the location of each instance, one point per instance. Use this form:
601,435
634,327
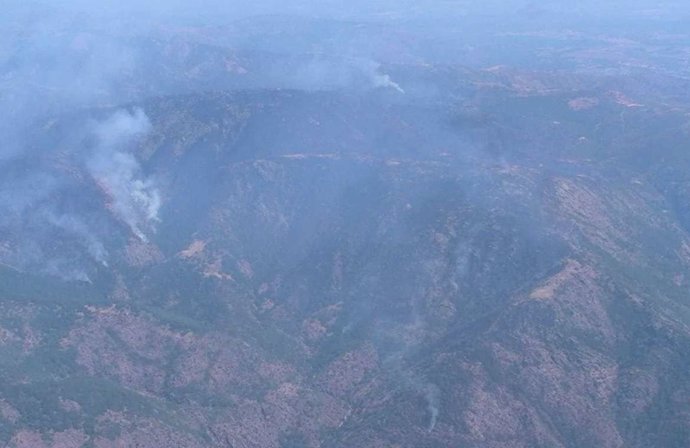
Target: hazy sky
408,9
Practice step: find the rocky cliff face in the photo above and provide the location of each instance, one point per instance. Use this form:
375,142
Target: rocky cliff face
445,256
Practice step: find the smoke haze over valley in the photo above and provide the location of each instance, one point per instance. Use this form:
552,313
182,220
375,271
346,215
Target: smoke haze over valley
366,224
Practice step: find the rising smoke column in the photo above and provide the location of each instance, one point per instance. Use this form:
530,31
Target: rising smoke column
328,73
135,198
433,402
74,225
378,79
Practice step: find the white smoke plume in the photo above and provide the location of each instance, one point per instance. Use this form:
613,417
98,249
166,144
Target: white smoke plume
135,198
65,270
419,384
383,80
326,73
433,401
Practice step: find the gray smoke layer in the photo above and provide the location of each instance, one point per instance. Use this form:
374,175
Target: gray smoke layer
45,70
41,208
32,216
135,198
50,64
